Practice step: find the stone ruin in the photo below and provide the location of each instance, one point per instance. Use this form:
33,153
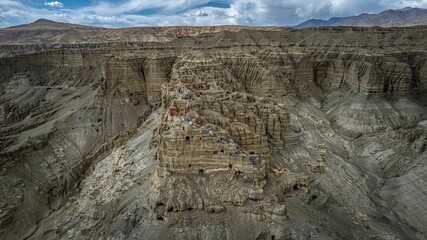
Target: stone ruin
213,146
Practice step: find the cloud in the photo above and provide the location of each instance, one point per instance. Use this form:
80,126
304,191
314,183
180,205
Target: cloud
405,3
55,4
129,6
200,14
128,13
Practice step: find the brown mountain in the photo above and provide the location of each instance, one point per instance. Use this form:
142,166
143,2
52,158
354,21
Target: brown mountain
47,24
45,31
390,18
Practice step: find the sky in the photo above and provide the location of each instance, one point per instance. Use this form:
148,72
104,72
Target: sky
131,13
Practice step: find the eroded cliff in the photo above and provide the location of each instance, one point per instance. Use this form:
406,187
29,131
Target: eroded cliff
239,134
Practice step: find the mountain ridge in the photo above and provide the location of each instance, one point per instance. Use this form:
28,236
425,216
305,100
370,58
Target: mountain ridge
45,31
49,24
404,17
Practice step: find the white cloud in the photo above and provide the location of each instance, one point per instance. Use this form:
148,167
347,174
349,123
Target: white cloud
405,3
200,14
55,4
126,13
128,6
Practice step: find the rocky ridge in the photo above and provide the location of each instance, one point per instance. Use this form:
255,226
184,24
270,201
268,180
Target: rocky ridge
404,17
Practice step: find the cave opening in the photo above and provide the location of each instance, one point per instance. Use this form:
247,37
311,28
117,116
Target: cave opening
239,174
159,205
385,87
159,208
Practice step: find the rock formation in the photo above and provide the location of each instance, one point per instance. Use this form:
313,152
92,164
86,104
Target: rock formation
219,156
214,133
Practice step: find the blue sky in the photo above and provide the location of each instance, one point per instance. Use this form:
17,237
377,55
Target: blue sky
130,13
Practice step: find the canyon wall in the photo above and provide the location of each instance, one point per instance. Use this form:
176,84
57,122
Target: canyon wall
297,102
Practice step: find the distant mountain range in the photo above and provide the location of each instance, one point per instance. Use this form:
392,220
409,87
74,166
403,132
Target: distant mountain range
45,31
391,18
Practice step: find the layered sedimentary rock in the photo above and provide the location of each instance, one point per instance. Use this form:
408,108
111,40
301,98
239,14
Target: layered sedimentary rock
219,156
93,141
370,76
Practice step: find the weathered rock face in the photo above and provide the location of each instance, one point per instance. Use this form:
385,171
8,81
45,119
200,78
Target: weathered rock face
222,155
370,76
328,128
